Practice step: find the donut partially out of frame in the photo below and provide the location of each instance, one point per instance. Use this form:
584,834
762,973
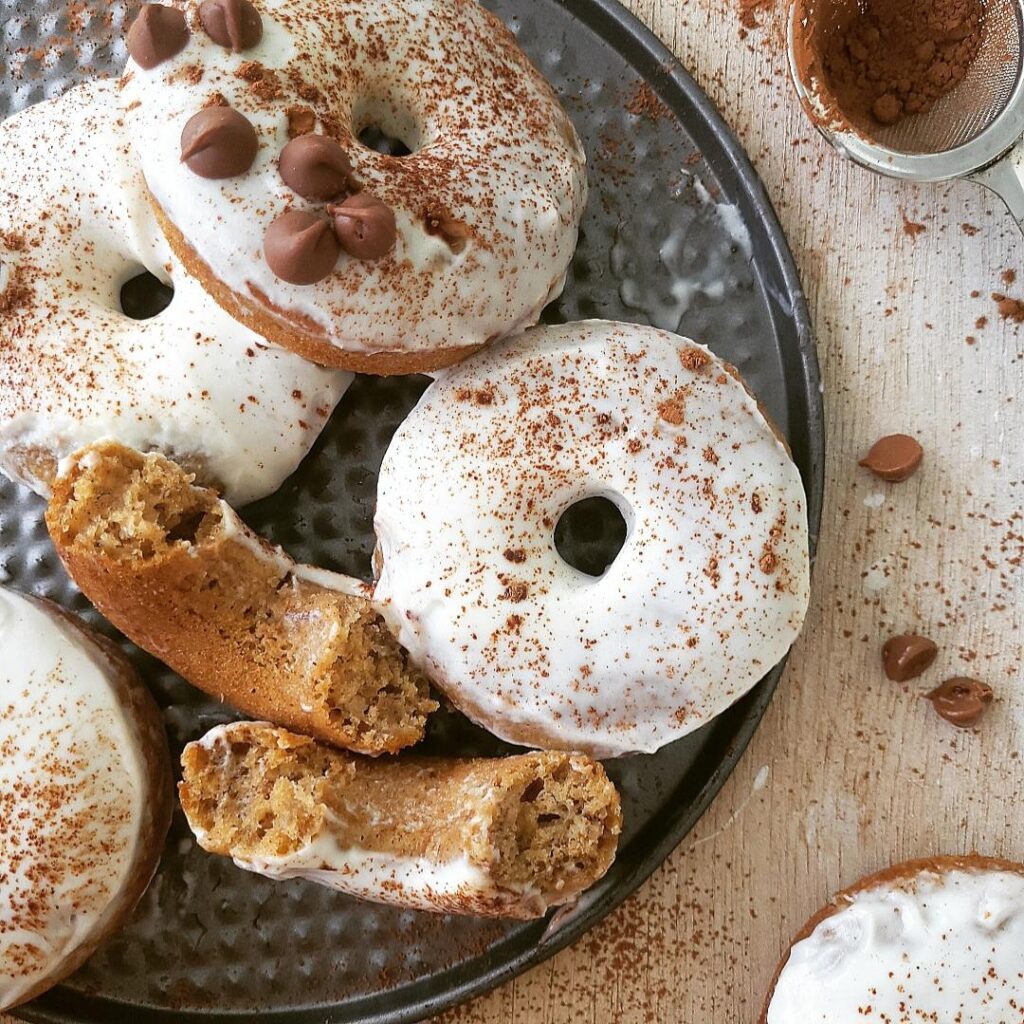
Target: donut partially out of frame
940,939
484,210
176,570
85,793
509,837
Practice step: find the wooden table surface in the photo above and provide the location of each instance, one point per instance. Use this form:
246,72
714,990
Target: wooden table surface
848,771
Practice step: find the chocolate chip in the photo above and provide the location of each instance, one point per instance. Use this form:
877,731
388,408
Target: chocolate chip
219,143
233,24
894,458
961,701
156,35
315,167
300,247
907,656
365,226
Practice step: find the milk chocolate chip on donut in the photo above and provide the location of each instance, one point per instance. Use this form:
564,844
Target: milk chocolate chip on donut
219,143
180,382
365,226
156,35
233,24
300,247
315,167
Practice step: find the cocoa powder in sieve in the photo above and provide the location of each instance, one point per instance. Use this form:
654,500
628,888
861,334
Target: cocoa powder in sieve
887,59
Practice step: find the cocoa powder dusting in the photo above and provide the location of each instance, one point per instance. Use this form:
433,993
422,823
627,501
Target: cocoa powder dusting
694,359
887,59
17,295
912,228
301,120
672,410
1009,309
749,11
645,102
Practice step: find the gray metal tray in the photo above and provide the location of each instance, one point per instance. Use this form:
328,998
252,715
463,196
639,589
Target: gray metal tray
211,941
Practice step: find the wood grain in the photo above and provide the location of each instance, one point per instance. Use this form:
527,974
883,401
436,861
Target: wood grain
860,771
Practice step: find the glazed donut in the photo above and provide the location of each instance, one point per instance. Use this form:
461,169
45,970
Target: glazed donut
75,225
509,837
179,573
928,940
707,594
483,215
85,794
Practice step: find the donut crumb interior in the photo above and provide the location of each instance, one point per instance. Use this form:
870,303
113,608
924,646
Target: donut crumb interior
331,650
548,828
543,821
132,508
255,797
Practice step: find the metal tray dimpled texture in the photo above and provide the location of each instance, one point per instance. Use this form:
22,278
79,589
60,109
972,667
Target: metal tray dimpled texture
678,233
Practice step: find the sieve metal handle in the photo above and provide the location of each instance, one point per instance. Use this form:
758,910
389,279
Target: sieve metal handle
1006,178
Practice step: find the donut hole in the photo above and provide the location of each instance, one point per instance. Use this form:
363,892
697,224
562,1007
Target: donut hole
375,138
590,533
385,126
145,296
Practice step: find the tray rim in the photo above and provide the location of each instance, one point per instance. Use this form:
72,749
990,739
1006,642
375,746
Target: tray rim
427,997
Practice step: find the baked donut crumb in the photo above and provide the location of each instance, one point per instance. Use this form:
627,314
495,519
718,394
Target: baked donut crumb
175,569
269,796
133,509
540,823
256,796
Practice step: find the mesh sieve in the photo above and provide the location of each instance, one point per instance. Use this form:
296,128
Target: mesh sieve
966,131
966,111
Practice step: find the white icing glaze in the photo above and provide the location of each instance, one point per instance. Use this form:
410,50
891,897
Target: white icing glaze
493,149
335,581
72,792
691,613
74,226
946,947
455,886
234,528
458,885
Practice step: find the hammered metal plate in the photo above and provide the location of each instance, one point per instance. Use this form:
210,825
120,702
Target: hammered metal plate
678,233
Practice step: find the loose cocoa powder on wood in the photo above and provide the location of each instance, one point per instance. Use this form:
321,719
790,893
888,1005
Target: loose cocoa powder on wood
887,59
